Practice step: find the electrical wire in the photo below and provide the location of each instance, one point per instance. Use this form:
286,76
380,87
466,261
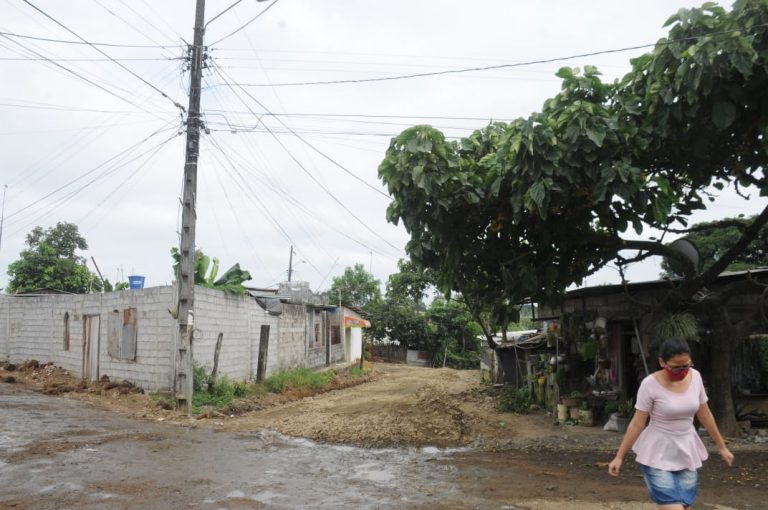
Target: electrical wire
241,27
121,184
175,103
309,214
106,45
156,59
89,172
306,171
81,77
243,184
484,68
75,192
266,180
307,143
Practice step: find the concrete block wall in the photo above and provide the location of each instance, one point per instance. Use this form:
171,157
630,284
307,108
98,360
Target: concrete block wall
33,328
292,338
157,332
337,353
218,312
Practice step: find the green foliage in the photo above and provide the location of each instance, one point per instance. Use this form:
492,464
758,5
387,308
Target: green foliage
200,378
714,238
357,287
528,208
626,408
298,379
51,261
356,371
206,270
515,400
108,287
683,324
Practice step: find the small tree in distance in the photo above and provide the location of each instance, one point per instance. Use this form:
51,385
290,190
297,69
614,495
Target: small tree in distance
51,261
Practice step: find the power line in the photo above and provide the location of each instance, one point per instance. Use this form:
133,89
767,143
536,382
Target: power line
175,103
267,180
127,59
67,41
79,76
73,193
308,144
130,176
241,27
62,108
120,154
305,170
309,214
482,68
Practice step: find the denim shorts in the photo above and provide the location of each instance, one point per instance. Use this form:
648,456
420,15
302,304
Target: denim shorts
671,487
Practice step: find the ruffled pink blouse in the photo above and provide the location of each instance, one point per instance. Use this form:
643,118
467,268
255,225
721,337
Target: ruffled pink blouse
670,441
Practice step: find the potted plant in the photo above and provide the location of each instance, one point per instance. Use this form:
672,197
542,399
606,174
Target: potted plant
586,416
626,408
574,399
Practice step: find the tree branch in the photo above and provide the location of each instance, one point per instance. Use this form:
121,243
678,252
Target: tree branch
748,235
738,224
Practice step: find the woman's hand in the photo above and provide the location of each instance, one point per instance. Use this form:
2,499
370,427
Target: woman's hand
727,456
614,468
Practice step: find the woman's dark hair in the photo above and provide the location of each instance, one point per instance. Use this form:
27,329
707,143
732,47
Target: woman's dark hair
673,346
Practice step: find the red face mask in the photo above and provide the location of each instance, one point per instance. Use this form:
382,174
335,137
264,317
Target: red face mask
677,374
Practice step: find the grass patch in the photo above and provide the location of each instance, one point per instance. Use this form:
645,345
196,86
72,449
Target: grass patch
298,379
221,392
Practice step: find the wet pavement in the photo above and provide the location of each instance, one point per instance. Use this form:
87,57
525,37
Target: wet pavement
60,453
57,453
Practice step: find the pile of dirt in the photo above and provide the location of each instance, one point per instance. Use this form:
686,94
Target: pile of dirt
52,380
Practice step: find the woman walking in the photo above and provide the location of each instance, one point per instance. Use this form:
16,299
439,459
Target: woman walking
669,450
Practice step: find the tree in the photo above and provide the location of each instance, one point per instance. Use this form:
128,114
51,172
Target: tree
526,209
206,270
712,239
456,334
51,261
357,287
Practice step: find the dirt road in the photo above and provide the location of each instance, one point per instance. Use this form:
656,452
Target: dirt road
64,453
404,406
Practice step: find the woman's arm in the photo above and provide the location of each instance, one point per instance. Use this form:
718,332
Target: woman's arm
636,426
705,417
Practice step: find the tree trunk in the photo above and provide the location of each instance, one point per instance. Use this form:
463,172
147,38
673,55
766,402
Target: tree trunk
720,389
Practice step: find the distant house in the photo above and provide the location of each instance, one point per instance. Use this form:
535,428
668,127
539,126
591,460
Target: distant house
132,334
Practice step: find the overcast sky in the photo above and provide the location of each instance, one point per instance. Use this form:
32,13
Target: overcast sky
85,141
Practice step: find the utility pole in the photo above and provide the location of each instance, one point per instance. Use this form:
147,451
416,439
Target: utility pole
290,264
185,310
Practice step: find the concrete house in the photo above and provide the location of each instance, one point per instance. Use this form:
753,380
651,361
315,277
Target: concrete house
132,334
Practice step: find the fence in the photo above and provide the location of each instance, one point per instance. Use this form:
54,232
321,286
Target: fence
389,352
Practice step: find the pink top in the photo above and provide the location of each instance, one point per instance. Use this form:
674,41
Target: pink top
670,442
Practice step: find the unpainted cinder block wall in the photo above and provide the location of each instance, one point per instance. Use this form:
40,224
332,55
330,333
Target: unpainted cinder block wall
33,327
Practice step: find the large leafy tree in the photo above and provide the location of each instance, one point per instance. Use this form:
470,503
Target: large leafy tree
51,261
527,208
357,287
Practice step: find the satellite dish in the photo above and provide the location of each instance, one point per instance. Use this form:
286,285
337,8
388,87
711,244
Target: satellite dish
689,251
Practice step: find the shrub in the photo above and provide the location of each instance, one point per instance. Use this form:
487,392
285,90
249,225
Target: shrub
516,400
200,378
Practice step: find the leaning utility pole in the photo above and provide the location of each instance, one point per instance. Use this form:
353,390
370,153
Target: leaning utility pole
183,363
